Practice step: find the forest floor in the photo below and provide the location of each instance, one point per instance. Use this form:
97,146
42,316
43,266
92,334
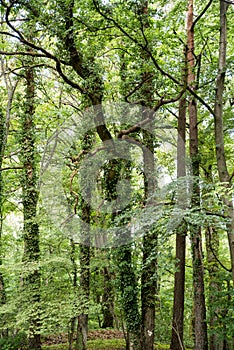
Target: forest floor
104,339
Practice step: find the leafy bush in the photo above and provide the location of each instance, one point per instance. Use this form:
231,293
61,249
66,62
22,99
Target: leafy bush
17,342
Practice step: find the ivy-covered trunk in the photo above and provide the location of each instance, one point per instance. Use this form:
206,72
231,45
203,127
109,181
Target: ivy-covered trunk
149,282
129,295
181,231
5,117
30,198
72,323
82,326
215,287
84,259
2,147
150,251
200,325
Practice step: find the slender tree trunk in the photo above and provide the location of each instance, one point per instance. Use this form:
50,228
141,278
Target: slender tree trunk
71,331
149,279
219,131
212,250
108,300
2,147
150,252
30,198
4,128
200,326
129,295
179,279
82,326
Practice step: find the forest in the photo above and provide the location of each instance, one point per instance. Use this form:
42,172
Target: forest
116,175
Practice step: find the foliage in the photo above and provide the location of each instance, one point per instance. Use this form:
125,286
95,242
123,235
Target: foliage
85,53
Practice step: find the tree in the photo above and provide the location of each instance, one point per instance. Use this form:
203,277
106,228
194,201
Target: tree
131,51
30,200
179,279
4,130
224,175
200,326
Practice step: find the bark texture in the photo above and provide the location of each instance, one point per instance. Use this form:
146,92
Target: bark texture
30,199
224,175
179,279
200,326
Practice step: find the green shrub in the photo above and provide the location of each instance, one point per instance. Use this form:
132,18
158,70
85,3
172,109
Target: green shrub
17,342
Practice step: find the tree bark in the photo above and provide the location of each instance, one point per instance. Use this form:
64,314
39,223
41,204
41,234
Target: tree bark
200,326
4,128
212,250
224,176
149,279
2,147
72,324
179,278
82,326
129,295
30,199
107,300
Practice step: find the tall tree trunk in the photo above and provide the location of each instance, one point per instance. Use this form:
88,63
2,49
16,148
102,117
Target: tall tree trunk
30,199
149,279
179,279
123,259
150,252
219,130
84,257
2,147
72,324
4,128
200,326
129,294
215,285
107,300
82,326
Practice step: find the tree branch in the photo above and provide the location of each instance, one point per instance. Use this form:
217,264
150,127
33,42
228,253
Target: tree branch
11,168
201,14
46,53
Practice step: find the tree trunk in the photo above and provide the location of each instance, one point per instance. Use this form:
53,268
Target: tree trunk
129,295
30,198
219,131
212,250
200,326
108,300
149,278
4,128
72,324
82,326
2,147
179,279
150,251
